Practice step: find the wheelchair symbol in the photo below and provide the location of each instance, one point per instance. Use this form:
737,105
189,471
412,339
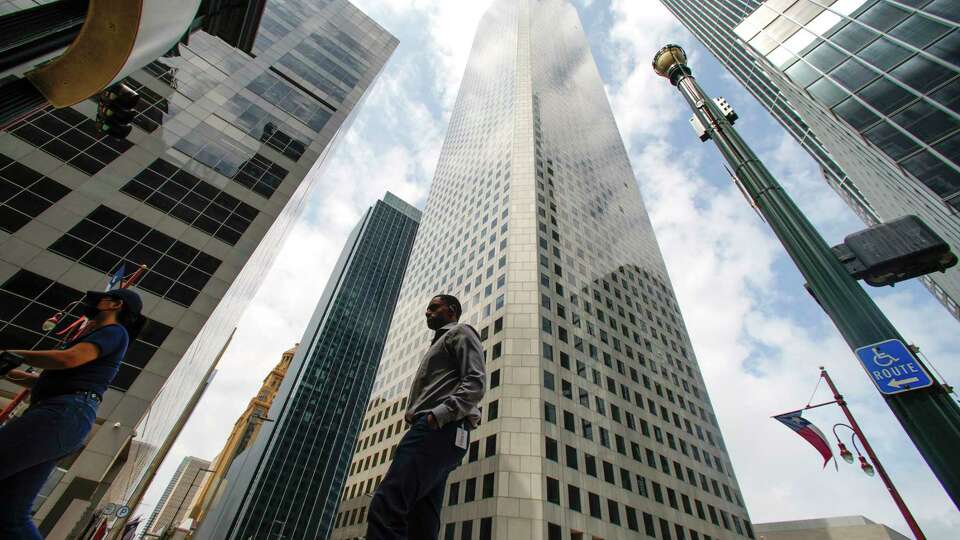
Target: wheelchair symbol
883,359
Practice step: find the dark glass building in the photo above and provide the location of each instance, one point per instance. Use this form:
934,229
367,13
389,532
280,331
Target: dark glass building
227,145
871,88
596,420
287,485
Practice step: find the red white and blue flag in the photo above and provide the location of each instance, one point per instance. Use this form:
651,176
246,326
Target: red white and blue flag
115,281
808,431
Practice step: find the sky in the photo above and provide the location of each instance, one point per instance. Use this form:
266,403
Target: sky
758,335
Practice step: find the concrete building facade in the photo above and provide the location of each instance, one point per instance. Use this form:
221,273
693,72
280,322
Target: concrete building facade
226,147
175,501
834,528
596,421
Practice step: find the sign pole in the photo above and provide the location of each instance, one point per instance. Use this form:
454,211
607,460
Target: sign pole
902,506
929,414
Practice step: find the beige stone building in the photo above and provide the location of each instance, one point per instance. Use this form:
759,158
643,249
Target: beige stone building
244,432
834,528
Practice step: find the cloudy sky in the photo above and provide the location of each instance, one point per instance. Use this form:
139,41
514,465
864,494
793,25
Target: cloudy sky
758,335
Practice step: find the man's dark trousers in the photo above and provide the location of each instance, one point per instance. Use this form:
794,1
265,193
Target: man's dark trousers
407,502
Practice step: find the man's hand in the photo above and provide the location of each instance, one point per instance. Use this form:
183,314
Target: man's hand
432,422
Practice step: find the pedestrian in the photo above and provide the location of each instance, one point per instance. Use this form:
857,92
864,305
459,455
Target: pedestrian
442,408
63,403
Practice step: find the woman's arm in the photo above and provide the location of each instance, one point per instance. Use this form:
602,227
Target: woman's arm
22,378
79,354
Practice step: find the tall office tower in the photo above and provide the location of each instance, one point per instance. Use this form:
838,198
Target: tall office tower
288,483
245,431
869,88
175,501
596,422
227,146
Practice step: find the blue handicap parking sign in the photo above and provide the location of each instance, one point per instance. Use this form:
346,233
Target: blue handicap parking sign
893,368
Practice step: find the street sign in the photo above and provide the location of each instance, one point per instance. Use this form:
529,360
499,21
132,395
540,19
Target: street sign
109,509
892,368
123,511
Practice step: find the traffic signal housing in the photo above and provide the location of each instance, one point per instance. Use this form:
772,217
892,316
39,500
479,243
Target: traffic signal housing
115,110
895,251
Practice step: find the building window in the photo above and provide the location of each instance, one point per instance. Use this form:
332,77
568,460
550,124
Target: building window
453,494
493,410
470,490
594,502
551,449
554,532
488,485
549,412
553,490
573,498
613,509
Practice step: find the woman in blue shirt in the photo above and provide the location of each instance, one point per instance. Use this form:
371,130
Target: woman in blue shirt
63,404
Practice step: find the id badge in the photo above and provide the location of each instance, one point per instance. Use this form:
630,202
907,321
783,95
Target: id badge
461,441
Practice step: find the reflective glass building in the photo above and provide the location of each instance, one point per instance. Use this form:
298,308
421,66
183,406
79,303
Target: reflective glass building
871,88
596,421
227,146
287,484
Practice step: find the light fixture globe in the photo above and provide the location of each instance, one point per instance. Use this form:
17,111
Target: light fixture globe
669,56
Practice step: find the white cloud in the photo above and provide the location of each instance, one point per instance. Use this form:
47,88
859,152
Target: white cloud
758,336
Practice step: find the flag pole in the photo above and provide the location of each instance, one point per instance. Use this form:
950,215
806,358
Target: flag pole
902,506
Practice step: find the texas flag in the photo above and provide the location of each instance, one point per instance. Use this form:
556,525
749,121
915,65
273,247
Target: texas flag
808,431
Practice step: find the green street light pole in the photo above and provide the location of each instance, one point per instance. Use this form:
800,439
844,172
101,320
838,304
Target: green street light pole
929,415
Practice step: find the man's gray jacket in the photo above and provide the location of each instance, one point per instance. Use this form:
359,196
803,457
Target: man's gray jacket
452,379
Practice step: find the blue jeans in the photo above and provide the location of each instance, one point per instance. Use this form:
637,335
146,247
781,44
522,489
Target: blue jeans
407,502
30,447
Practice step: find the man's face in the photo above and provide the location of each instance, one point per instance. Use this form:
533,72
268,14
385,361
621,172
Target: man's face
438,314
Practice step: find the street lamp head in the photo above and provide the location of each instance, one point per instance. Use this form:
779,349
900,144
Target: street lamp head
844,453
867,468
668,59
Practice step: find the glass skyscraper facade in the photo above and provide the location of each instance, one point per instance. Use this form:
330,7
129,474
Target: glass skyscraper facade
288,483
871,88
227,146
596,421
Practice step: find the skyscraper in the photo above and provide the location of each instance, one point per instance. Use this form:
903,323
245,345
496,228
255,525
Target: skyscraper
227,146
288,483
869,87
596,421
175,501
245,431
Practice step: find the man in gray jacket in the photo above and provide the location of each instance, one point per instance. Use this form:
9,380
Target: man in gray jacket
442,408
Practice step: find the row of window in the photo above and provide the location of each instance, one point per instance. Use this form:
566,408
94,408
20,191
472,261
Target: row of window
24,194
105,239
71,137
201,205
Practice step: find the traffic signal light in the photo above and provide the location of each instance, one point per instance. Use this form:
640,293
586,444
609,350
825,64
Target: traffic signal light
115,110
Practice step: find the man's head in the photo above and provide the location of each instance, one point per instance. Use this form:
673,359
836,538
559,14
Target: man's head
443,309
